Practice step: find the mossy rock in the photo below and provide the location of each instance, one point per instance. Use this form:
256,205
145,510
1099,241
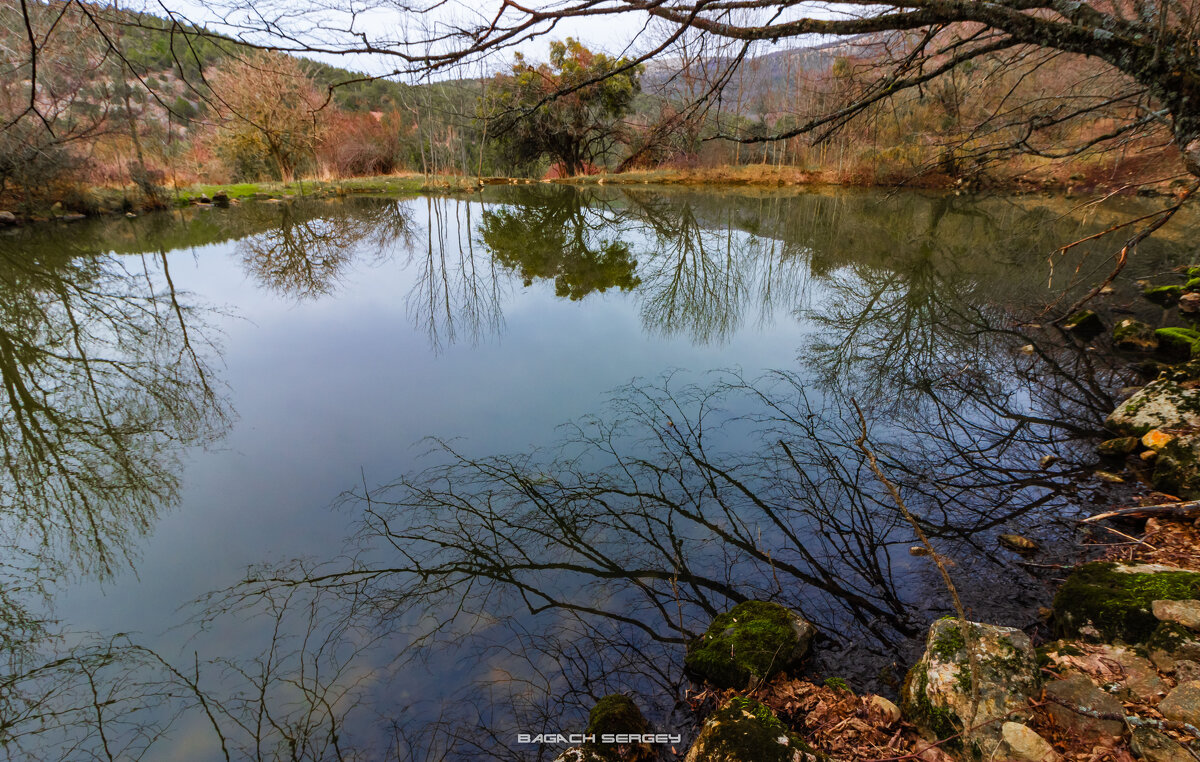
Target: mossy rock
751,642
1193,284
1085,323
616,714
1161,404
1164,296
1177,342
1111,601
937,692
1177,467
745,730
1134,335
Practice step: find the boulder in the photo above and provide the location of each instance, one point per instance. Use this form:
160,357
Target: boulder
1152,746
1134,336
1076,692
7,218
1163,403
1185,613
750,643
1019,743
1113,601
744,730
937,692
221,199
1182,704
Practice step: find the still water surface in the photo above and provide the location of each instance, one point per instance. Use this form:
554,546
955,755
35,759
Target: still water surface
227,531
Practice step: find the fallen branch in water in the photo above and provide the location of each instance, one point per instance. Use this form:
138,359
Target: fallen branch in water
1185,510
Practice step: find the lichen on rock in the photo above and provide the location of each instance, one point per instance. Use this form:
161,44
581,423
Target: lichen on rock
937,695
1163,403
751,642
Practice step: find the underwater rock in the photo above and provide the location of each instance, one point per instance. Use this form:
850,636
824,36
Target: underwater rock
937,692
744,730
1112,601
1163,403
749,643
1118,447
1084,322
1018,543
1164,296
1134,335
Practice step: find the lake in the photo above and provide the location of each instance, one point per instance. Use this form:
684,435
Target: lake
404,477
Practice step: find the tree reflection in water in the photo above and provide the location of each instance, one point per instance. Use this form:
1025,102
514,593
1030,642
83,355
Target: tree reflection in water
580,570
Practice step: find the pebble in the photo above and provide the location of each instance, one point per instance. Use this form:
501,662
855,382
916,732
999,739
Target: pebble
1024,745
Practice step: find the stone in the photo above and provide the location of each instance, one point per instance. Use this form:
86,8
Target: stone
1182,704
937,692
1076,690
8,218
1164,296
1160,404
1019,743
885,708
617,713
1109,477
1148,455
1155,439
1084,322
1152,746
72,217
1119,447
1186,670
1177,466
221,199
1017,542
1113,600
750,643
1171,644
1177,342
745,730
1136,679
1186,613
1189,303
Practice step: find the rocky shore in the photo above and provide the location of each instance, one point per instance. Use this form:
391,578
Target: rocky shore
1119,680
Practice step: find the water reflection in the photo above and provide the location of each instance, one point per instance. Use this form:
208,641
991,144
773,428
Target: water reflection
523,586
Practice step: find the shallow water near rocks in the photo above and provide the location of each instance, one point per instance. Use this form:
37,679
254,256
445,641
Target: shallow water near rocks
397,477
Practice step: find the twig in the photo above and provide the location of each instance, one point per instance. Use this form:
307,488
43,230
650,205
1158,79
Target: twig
1186,510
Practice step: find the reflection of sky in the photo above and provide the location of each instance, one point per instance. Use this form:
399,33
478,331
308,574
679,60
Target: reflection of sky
327,387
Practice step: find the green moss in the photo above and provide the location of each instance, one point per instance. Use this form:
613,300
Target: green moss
1193,271
1177,341
1164,295
1193,284
614,713
745,729
836,683
1115,448
752,641
1084,322
1115,603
